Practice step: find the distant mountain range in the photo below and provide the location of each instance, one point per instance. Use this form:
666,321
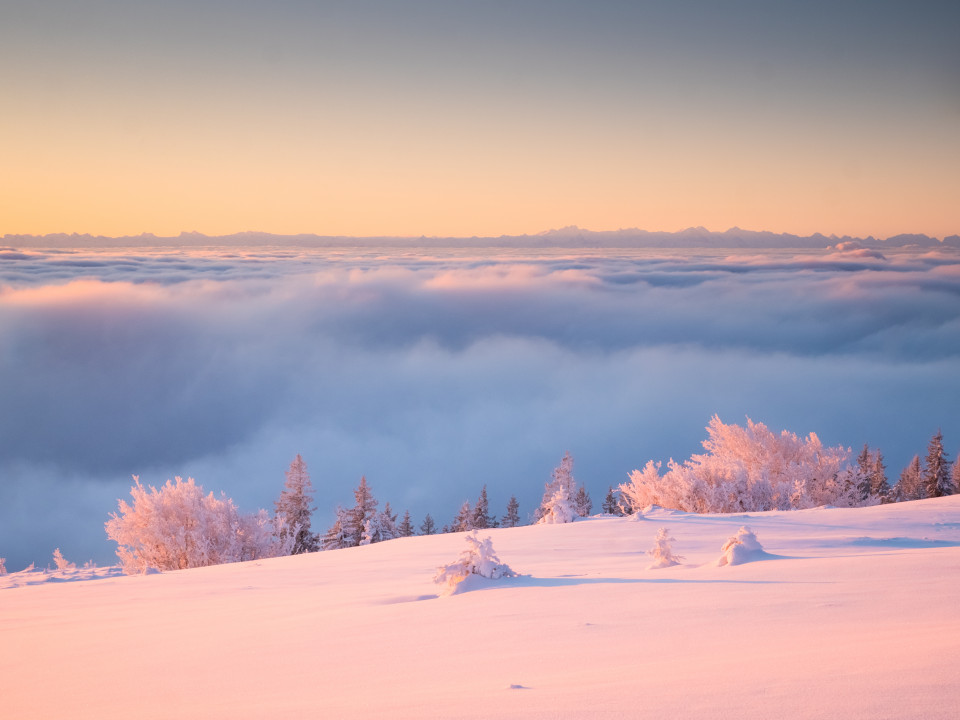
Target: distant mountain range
571,236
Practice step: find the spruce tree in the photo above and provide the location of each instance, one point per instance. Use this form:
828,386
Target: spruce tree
912,480
464,519
561,479
378,527
936,473
610,505
363,510
481,512
293,508
339,534
582,502
512,518
863,477
428,526
405,528
878,479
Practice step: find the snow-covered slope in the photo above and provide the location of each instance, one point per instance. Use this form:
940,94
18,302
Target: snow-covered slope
849,613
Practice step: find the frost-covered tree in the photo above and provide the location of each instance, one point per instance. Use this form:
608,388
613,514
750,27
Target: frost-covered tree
879,486
582,502
390,513
3,566
481,512
339,534
747,469
936,471
610,504
378,527
405,528
293,509
463,521
558,509
512,518
661,552
561,488
863,475
179,527
364,507
910,484
478,559
428,526
61,562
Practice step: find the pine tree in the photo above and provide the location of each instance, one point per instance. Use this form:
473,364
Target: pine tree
363,510
561,478
339,534
405,528
936,472
610,505
481,512
911,481
378,527
464,519
863,476
878,479
293,508
3,566
582,502
512,518
428,526
389,511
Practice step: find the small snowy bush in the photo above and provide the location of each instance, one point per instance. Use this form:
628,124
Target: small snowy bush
661,552
742,547
478,559
61,562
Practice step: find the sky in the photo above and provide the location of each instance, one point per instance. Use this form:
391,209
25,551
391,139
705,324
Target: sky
434,373
463,118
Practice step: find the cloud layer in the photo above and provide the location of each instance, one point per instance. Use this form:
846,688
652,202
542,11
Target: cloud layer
434,374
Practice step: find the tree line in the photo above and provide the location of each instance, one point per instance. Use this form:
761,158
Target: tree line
745,468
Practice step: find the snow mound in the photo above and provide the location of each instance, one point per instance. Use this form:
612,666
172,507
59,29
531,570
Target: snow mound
741,548
479,560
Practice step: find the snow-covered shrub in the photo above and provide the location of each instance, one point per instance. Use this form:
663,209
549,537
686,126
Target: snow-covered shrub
178,527
661,552
742,547
61,562
747,469
478,559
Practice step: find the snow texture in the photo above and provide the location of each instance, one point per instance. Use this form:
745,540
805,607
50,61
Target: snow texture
854,617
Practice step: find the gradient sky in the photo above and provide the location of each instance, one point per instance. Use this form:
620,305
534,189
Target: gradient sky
461,118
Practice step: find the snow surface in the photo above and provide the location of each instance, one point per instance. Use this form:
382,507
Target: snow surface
852,613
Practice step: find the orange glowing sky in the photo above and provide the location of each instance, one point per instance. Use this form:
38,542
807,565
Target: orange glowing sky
458,119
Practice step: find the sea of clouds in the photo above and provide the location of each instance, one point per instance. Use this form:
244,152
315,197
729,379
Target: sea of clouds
435,372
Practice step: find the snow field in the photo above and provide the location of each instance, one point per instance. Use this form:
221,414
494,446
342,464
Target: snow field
852,614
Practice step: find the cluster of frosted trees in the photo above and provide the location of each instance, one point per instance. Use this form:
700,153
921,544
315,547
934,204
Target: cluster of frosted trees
178,526
743,468
754,469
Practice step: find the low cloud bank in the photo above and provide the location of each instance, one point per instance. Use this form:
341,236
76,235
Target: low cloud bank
436,373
